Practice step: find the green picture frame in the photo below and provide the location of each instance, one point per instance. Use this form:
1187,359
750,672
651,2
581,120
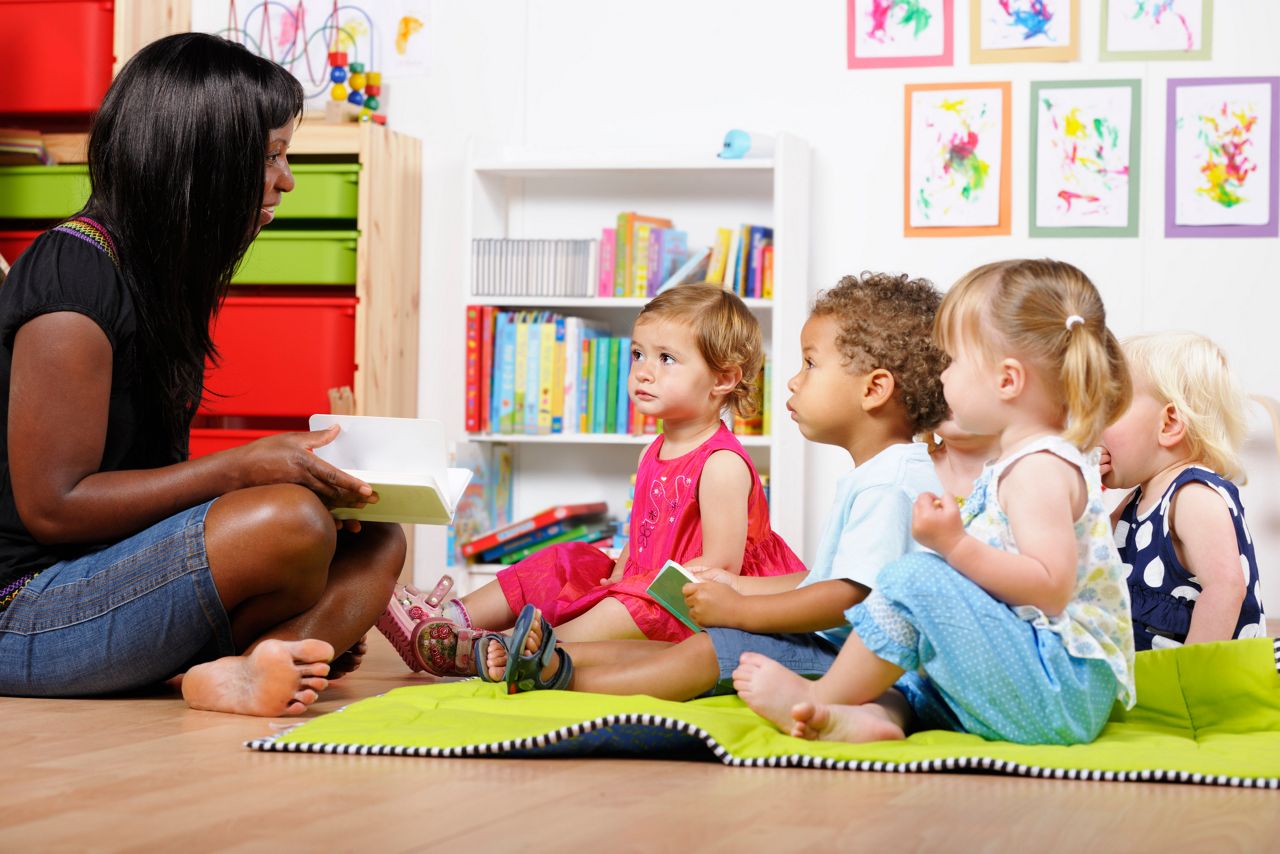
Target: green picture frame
1130,228
1108,52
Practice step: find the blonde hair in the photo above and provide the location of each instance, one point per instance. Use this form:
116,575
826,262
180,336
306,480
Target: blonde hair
1191,373
727,332
1047,312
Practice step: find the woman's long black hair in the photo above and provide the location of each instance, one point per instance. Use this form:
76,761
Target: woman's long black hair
177,155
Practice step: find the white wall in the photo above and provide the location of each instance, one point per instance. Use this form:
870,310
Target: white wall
609,73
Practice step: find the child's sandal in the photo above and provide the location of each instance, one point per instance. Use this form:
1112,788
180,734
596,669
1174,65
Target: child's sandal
524,671
420,605
432,643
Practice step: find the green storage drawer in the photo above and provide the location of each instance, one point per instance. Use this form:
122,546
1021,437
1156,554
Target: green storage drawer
300,258
322,191
42,192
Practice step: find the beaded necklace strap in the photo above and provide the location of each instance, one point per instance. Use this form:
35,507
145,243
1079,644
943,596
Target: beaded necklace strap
93,233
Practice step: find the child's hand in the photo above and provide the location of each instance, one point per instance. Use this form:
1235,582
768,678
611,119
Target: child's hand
1104,463
935,523
615,576
712,604
714,573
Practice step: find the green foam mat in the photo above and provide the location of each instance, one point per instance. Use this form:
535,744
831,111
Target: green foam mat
1208,713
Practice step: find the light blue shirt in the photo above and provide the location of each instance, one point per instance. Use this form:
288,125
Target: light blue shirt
869,524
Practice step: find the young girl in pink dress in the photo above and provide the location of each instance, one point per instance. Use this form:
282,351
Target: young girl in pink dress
695,351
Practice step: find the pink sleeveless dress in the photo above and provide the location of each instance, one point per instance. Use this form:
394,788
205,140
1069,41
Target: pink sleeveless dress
666,524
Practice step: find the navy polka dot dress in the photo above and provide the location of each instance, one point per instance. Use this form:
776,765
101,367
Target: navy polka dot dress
1163,591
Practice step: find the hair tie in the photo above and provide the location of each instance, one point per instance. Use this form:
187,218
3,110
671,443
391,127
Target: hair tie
1072,320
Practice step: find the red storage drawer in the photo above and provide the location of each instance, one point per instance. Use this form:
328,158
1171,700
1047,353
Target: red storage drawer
57,55
208,440
280,355
13,242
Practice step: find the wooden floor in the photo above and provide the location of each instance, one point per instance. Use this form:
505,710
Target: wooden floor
146,773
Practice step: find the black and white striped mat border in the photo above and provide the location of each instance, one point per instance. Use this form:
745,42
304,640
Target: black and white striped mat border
954,763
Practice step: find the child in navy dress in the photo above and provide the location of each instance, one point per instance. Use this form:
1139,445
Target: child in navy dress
1193,575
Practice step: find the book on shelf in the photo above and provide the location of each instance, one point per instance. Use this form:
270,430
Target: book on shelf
542,519
543,373
532,538
405,462
533,267
693,270
486,502
576,534
629,222
605,265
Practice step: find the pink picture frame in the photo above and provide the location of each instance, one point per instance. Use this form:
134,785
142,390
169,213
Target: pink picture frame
876,38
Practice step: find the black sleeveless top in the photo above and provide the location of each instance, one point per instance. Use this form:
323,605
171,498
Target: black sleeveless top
72,268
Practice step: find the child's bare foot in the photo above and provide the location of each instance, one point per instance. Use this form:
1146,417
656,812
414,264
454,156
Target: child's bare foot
856,724
496,660
349,660
276,678
770,689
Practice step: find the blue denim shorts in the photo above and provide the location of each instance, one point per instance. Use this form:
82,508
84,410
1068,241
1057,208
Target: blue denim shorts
802,652
128,616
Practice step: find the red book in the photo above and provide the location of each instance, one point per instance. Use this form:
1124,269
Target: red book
487,315
549,516
473,367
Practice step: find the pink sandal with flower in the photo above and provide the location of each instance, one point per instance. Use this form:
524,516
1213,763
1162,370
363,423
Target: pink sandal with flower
429,642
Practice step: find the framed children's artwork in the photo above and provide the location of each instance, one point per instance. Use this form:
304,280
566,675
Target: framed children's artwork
899,33
957,159
1156,29
1085,160
1221,165
1024,30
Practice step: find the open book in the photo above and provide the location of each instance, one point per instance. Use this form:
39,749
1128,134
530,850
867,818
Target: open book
405,462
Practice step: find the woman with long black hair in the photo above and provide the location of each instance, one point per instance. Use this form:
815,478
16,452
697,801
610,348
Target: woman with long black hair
122,563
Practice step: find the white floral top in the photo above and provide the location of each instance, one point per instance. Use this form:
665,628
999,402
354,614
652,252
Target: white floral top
1096,623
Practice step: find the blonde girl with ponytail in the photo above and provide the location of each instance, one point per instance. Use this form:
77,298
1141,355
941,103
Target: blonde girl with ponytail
1018,628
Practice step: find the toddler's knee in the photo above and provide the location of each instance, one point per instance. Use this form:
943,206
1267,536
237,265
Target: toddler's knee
916,571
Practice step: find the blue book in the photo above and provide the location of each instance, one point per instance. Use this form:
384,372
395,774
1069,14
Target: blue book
600,381
506,368
624,400
533,373
527,540
558,377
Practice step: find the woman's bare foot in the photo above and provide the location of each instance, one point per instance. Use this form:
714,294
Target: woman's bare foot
349,660
496,659
276,678
770,689
856,724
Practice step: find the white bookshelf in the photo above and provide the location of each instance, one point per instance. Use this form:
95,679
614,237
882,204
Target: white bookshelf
522,193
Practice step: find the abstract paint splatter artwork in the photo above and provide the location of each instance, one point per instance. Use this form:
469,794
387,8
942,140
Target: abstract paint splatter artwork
899,32
1223,154
955,157
1083,155
1010,24
1156,27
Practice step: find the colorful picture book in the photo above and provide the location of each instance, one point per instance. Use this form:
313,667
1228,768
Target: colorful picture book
489,543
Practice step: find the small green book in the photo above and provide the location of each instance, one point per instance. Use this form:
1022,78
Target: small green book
667,590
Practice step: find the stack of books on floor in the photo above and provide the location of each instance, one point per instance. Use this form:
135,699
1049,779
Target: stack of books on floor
561,524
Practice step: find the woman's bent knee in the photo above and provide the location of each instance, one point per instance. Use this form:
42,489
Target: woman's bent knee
282,534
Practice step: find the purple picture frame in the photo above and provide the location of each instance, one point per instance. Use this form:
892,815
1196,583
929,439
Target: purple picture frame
1271,228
